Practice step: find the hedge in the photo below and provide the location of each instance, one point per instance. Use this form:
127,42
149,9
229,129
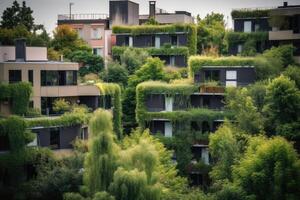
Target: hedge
197,62
114,91
117,51
241,37
250,13
19,94
190,29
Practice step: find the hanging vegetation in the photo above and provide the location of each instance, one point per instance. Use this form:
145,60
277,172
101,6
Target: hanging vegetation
114,91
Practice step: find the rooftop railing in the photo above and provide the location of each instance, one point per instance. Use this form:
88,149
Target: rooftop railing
83,16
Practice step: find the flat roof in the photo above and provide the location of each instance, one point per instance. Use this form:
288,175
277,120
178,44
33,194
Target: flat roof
37,62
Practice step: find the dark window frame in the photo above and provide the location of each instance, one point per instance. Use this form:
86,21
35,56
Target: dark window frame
14,76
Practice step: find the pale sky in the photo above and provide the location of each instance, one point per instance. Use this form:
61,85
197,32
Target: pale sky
46,11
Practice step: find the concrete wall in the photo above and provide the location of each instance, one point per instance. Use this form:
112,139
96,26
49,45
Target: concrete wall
123,13
8,53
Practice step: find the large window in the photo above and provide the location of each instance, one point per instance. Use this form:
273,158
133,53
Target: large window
15,76
54,138
174,40
55,78
212,75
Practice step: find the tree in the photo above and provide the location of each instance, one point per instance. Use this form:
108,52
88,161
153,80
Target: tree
66,40
293,72
100,162
211,34
61,105
132,59
224,149
269,169
245,113
89,62
115,73
284,53
282,106
17,15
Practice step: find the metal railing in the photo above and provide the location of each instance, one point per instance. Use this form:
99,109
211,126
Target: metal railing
83,16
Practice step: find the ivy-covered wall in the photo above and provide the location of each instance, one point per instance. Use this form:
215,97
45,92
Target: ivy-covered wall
117,51
190,29
114,91
18,94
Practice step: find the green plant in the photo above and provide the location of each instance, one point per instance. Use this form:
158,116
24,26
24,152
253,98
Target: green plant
61,105
114,91
250,13
19,93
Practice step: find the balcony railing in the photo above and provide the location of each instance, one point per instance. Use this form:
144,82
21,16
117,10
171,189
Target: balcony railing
83,16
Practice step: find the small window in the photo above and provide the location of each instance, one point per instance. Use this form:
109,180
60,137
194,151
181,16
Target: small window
130,41
15,76
231,83
54,138
174,40
157,42
168,129
257,27
231,75
80,33
30,76
98,51
206,101
212,75
247,26
96,33
31,104
239,48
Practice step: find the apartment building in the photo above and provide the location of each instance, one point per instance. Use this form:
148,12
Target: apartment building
50,81
196,108
286,27
266,27
92,28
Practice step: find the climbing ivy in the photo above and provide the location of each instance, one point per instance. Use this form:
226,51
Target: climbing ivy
19,94
114,91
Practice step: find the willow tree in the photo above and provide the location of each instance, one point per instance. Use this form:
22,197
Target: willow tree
100,163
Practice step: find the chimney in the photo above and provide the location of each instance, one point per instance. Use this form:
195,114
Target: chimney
285,4
20,45
152,9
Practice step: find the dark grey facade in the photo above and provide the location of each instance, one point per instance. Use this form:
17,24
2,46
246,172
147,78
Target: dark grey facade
257,24
123,13
244,75
58,137
210,101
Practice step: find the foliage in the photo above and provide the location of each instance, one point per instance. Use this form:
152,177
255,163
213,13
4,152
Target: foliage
61,105
223,147
76,117
103,196
250,13
151,21
269,169
246,114
19,94
114,91
115,73
66,41
90,63
72,196
257,92
100,162
284,53
282,106
170,29
293,72
211,33
17,15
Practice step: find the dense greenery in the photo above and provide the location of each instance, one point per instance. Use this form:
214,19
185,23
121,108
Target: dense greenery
19,94
114,91
250,13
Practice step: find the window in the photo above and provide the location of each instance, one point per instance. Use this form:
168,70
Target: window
84,133
257,27
130,41
239,48
169,104
231,75
54,138
212,75
174,40
231,83
30,76
172,60
206,102
15,76
247,26
55,78
157,42
96,33
98,51
31,104
168,129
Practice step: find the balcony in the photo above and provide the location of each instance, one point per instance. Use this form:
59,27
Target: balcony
283,35
212,89
83,16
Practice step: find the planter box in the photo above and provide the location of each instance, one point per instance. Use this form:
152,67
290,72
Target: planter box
211,89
